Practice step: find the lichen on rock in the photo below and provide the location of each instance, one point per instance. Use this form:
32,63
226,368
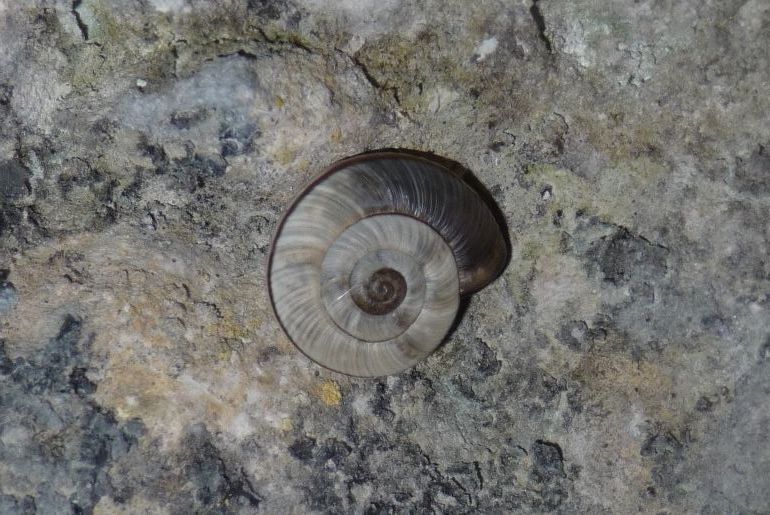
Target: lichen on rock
147,151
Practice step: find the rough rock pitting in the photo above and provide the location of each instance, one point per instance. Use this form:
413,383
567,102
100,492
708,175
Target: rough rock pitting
618,365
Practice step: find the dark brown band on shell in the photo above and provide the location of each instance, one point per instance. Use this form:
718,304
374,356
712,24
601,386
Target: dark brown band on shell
406,184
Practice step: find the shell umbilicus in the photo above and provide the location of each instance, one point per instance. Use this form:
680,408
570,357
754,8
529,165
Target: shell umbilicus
369,263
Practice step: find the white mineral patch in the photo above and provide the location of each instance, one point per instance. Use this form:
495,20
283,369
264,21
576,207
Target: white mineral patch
241,426
165,6
637,422
204,91
368,18
37,96
440,98
485,49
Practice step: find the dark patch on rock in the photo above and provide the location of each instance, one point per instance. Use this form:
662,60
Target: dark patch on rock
575,401
487,362
661,444
6,364
752,175
321,493
197,477
78,172
380,402
14,180
574,334
716,324
480,365
497,192
419,380
14,505
548,460
467,475
83,187
643,293
9,297
6,94
533,384
667,452
80,384
552,498
194,171
704,405
50,372
512,457
215,485
649,350
380,508
302,448
426,488
105,129
548,472
546,192
764,350
462,383
47,399
260,224
624,256
10,219
334,450
558,216
552,387
267,354
185,119
238,139
134,188
496,146
157,155
268,9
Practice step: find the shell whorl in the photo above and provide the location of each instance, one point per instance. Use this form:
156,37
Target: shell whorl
368,264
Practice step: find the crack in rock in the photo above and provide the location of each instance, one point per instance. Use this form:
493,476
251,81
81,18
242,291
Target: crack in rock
539,19
79,20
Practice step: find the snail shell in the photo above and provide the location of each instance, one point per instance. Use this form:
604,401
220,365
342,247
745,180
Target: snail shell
369,263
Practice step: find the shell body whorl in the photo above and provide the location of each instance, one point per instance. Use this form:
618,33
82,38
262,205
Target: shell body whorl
368,264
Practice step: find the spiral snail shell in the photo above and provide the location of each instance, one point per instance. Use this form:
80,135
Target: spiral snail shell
368,265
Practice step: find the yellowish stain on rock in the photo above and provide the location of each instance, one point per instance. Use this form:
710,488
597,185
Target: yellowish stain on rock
287,424
616,381
231,327
285,155
329,392
166,404
606,196
135,389
629,394
166,336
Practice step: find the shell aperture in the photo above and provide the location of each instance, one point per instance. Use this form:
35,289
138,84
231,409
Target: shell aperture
368,265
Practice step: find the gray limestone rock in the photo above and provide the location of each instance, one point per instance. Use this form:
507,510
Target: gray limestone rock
620,364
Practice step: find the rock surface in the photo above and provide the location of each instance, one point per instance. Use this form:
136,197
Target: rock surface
619,365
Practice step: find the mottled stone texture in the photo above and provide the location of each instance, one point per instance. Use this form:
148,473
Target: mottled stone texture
620,364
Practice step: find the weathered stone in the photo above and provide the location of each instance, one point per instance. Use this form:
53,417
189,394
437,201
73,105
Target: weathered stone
618,365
